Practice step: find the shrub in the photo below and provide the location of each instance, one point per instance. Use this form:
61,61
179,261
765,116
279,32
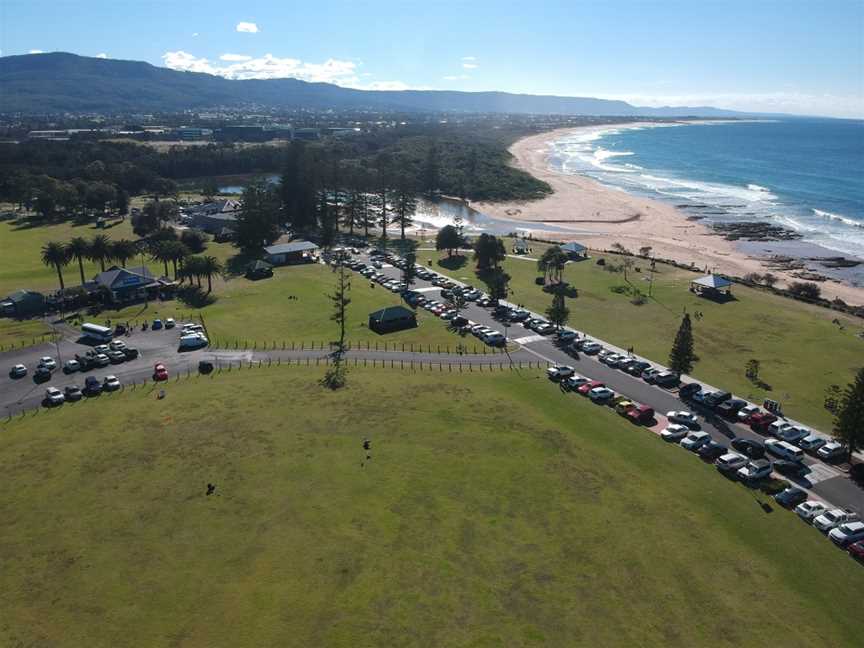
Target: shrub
805,290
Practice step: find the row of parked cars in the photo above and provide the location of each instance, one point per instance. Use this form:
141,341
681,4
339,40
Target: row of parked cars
600,394
71,393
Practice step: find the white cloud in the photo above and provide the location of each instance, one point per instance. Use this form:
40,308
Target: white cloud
35,52
195,35
470,66
235,57
247,27
456,77
469,58
102,55
339,72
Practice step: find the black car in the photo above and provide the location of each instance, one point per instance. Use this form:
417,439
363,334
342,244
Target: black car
729,409
791,497
41,375
637,367
791,468
130,353
92,386
712,451
715,398
749,447
688,389
72,393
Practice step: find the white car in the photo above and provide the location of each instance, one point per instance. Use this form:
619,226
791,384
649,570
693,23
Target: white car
170,323
600,394
695,440
48,362
682,417
810,509
834,518
811,443
559,372
674,432
746,412
574,381
755,470
831,450
591,347
110,383
54,396
847,533
777,427
101,348
17,371
731,461
71,366
116,345
193,341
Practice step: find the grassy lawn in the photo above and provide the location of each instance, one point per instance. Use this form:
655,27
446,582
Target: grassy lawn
494,511
800,350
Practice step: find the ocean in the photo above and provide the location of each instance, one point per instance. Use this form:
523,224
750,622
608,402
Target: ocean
804,174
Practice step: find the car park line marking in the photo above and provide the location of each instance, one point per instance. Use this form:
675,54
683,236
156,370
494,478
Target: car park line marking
820,472
426,289
528,339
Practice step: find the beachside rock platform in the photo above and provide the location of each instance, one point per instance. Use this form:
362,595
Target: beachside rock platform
750,231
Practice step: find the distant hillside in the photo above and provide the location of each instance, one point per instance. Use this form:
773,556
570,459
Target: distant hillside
59,82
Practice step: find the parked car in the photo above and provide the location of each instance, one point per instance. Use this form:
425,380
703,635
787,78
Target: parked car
624,406
715,398
92,386
116,345
749,447
746,412
636,367
778,426
110,384
686,390
170,323
160,372
587,387
101,360
856,550
834,518
42,374
193,341
695,440
793,434
683,417
72,393
811,443
18,371
566,337
116,357
48,362
831,451
760,421
130,353
755,470
591,348
791,497
784,450
674,432
574,382
71,366
600,394
649,375
545,329
729,409
156,325
810,509
666,379
53,397
642,414
790,468
559,372
731,462
101,348
712,451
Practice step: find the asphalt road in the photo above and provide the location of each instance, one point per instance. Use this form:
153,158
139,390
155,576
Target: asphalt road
826,482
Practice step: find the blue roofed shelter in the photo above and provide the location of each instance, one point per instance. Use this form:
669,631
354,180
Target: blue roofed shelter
712,285
575,251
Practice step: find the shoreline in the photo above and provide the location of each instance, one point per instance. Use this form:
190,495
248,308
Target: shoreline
584,210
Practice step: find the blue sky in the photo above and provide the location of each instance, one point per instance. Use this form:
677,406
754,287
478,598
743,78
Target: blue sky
789,56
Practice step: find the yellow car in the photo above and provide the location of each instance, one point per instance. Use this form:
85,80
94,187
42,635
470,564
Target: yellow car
624,406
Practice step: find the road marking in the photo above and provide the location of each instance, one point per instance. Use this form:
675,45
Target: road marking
425,290
819,473
528,339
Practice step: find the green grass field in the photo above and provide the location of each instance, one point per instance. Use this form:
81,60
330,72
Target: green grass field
800,350
494,511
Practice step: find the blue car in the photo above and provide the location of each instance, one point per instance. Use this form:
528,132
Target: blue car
157,324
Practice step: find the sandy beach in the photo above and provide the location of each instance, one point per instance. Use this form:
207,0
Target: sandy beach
600,216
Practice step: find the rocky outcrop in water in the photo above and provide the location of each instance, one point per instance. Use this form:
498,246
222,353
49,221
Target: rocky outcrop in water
751,231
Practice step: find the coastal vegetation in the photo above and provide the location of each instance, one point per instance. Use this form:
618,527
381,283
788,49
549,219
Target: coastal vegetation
497,510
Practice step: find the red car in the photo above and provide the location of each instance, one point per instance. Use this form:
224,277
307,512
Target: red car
584,389
856,550
641,414
160,372
760,421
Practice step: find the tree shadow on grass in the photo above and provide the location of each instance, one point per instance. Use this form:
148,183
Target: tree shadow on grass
453,263
195,297
237,264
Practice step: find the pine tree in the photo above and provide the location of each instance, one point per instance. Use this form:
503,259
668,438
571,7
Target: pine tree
336,374
849,423
558,313
682,357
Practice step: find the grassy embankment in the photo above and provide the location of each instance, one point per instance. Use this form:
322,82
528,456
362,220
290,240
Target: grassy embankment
494,511
801,352
261,311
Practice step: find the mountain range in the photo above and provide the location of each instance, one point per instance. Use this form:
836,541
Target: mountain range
60,82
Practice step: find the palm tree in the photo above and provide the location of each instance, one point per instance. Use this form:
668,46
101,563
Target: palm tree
210,266
79,249
100,249
56,255
176,252
193,267
124,250
552,263
161,252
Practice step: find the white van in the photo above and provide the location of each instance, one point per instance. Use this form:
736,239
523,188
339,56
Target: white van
784,450
193,341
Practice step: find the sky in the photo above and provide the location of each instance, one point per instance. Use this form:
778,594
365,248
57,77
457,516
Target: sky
793,56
